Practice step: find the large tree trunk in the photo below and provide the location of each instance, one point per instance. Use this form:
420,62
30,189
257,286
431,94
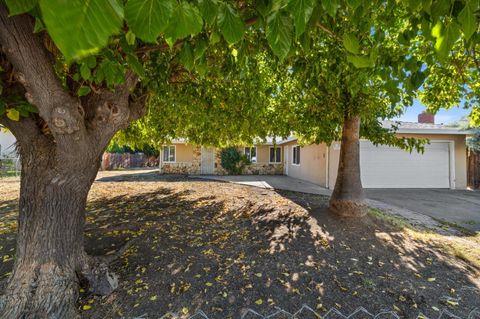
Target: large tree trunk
348,198
50,250
60,150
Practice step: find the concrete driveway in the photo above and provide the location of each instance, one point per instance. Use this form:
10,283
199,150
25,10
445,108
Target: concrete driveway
456,206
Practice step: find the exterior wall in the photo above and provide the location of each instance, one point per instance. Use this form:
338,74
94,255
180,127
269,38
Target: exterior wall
188,162
313,163
460,157
263,165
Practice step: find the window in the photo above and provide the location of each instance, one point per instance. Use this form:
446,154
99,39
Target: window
296,155
251,153
169,154
275,154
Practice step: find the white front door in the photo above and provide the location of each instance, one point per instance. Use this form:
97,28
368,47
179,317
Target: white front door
207,160
390,167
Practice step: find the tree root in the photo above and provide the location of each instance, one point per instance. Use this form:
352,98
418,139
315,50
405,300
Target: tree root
96,275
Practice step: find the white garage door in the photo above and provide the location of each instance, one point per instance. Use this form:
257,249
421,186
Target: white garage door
390,167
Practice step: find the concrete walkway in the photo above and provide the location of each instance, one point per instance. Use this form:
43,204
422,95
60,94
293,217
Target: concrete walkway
272,182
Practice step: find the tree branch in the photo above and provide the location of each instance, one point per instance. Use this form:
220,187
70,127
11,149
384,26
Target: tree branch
24,130
33,66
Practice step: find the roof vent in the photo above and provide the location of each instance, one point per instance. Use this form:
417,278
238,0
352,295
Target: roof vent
426,117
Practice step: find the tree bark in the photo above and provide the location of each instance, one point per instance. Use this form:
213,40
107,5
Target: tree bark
60,151
50,251
348,197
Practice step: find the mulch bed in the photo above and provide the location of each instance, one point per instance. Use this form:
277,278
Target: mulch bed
223,248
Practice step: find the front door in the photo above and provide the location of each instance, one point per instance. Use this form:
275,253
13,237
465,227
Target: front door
208,160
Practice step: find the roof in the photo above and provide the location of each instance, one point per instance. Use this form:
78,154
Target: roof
403,127
424,128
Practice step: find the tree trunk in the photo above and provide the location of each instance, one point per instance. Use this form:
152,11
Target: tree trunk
50,251
348,198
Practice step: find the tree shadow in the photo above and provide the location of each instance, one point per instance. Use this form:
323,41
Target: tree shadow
223,248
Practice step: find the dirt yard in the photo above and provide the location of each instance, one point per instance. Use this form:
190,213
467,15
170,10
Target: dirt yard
223,248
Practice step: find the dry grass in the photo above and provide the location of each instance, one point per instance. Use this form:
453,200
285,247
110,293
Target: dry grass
466,247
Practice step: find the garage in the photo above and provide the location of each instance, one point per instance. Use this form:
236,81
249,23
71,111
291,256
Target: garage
390,167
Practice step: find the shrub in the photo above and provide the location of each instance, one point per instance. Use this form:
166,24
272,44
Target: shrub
233,161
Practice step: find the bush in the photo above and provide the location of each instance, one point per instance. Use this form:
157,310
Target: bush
233,161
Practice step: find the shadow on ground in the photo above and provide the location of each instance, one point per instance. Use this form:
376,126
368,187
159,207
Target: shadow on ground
222,248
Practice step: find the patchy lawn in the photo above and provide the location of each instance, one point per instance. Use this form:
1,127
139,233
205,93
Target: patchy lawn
223,248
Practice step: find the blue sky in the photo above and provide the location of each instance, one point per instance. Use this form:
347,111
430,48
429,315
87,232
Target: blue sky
442,116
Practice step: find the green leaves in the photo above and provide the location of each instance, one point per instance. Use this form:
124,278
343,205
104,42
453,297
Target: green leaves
468,20
446,36
80,28
209,10
186,20
136,66
20,6
351,43
230,24
147,18
186,56
301,11
331,6
361,61
279,34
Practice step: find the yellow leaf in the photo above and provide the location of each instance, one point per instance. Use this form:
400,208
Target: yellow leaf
431,279
185,310
208,284
153,298
259,301
86,307
258,274
452,302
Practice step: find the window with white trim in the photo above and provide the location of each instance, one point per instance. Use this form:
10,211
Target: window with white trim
251,153
296,155
275,154
169,154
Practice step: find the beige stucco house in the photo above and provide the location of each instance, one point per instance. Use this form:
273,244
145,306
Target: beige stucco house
442,165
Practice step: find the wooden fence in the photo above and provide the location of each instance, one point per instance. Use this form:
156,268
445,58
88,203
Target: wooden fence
473,169
126,160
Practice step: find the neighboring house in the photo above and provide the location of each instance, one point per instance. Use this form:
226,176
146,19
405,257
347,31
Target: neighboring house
7,143
442,165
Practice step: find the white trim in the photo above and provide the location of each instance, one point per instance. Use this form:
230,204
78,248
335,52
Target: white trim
451,150
293,147
280,162
285,158
175,155
427,131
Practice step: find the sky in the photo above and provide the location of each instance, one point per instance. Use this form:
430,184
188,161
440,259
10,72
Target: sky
442,116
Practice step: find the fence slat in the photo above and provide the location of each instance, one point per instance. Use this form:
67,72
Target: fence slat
126,160
473,173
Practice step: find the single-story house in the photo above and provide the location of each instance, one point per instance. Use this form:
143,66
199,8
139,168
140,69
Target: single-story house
442,165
